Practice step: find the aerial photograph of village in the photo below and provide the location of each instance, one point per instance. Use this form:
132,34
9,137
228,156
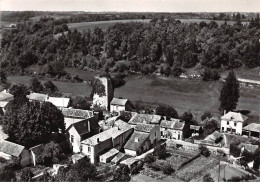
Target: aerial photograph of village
130,91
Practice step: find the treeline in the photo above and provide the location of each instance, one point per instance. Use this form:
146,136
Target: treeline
163,45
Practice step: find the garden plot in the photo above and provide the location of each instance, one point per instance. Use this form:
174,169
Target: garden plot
197,167
176,160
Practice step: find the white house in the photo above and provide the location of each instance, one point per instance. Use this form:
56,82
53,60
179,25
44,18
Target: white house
173,129
232,122
59,101
117,105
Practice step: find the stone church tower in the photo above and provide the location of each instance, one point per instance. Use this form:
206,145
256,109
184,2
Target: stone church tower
103,92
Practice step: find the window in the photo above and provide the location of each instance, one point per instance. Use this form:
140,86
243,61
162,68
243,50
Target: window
80,147
235,124
222,128
72,138
89,149
155,134
227,122
161,133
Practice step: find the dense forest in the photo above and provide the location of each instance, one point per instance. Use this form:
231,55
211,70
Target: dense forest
166,45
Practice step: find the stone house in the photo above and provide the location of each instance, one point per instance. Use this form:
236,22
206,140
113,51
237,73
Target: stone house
144,137
233,122
173,129
117,105
99,144
12,151
81,130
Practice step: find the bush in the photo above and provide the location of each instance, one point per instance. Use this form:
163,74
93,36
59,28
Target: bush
207,178
167,169
155,166
160,151
206,115
26,175
149,158
210,75
204,151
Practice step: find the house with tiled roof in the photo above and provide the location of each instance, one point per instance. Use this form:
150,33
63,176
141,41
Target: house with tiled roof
118,104
233,122
173,129
145,118
99,144
252,129
144,137
81,130
10,151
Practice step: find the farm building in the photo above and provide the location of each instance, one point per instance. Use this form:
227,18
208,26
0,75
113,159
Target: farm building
96,145
232,122
81,130
108,156
117,105
173,129
11,151
196,129
145,118
252,129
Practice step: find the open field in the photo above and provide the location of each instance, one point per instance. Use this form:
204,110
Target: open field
102,24
182,94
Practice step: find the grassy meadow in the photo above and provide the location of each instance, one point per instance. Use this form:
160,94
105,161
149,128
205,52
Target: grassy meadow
183,94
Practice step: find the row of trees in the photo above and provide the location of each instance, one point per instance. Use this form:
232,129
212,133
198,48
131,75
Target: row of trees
146,45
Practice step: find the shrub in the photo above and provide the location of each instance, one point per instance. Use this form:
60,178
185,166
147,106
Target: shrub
149,158
206,115
167,169
155,166
204,151
207,178
26,175
160,151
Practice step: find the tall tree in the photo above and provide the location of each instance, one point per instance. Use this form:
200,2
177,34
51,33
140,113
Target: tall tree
35,85
168,111
32,123
230,93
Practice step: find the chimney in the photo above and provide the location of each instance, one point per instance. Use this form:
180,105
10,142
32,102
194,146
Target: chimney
98,140
224,112
136,139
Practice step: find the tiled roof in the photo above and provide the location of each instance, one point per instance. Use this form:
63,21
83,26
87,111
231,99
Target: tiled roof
120,156
120,123
249,147
70,121
234,116
4,95
145,118
141,127
110,153
174,124
118,101
129,161
252,127
76,113
3,104
133,144
103,136
37,97
195,127
59,102
11,148
82,127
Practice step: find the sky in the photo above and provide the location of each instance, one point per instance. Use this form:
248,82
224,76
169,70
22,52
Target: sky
133,5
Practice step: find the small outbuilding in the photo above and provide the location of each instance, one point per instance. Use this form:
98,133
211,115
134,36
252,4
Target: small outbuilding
108,156
117,105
